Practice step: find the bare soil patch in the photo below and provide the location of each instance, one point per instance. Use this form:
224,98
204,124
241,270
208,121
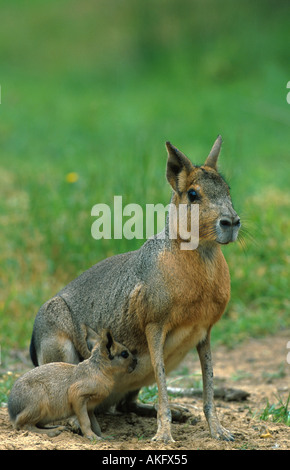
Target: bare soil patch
258,367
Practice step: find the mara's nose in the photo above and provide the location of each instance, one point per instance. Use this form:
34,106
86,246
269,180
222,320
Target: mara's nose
229,222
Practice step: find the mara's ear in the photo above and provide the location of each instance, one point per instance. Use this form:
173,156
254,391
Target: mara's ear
178,168
106,341
91,337
214,153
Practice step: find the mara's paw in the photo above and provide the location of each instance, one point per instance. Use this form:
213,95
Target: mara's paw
222,433
163,436
93,437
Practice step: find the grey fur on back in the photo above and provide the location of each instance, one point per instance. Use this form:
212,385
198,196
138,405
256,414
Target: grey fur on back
100,298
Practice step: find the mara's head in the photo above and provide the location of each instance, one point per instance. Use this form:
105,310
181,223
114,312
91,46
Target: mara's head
203,185
116,357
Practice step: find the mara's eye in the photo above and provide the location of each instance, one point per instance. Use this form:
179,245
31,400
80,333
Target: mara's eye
125,354
192,195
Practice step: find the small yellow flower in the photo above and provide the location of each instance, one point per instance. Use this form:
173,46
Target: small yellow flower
71,177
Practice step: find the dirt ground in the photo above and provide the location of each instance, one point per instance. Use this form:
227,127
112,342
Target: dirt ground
258,367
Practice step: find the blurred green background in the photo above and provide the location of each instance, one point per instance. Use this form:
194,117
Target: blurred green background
96,88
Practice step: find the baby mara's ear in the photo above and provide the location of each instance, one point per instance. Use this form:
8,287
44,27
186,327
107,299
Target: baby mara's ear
91,338
107,341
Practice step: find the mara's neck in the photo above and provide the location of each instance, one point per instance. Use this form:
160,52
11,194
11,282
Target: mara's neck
206,249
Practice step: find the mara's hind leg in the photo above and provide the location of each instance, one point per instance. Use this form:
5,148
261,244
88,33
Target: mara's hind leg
57,348
27,420
53,333
49,431
129,404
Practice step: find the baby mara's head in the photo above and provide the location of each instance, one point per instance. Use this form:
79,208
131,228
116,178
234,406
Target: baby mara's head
116,357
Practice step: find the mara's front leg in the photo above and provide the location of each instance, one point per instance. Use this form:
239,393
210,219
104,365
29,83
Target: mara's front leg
216,429
79,405
155,338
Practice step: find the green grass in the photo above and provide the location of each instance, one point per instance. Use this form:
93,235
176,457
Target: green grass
148,394
95,89
278,412
6,382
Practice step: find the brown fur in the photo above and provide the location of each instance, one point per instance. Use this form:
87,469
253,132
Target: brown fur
57,391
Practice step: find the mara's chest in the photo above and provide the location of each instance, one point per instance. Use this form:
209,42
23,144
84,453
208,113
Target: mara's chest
199,289
196,295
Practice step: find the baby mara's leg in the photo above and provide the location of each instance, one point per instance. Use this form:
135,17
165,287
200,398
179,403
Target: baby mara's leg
88,422
25,421
50,431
